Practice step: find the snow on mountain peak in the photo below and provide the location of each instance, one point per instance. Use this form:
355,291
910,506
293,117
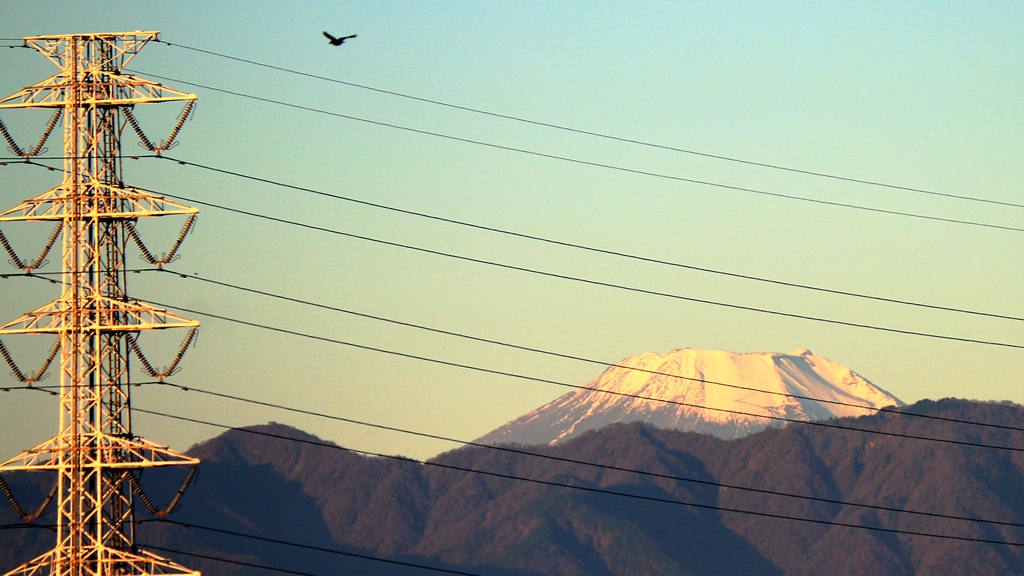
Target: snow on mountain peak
713,391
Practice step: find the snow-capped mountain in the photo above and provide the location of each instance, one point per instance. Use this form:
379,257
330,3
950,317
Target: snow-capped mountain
692,379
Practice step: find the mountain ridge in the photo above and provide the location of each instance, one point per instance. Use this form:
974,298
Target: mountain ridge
762,389
255,482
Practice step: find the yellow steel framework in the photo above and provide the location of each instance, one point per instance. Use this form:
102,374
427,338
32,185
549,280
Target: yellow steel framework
95,454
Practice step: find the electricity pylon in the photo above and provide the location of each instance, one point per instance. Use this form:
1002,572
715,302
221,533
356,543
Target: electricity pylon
95,453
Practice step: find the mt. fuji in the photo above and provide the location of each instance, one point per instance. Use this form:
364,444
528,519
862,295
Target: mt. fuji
715,392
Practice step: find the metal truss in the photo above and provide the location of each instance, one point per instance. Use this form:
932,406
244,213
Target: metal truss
95,454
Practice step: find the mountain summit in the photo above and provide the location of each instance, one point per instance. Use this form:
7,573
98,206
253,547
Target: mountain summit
757,387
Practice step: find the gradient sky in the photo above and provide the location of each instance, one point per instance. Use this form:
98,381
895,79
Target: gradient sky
920,94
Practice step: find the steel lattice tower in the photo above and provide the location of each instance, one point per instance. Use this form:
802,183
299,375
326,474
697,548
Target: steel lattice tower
95,454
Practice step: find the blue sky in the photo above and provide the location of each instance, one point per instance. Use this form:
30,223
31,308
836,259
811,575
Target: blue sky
911,93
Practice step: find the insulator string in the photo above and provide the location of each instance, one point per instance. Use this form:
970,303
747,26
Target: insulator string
166,144
46,134
138,130
146,366
10,140
170,370
167,257
30,265
177,127
15,260
10,498
181,353
18,508
39,375
18,151
10,362
170,508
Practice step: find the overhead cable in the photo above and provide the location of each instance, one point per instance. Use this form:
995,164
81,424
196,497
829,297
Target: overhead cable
563,243
598,282
495,372
591,163
19,510
888,410
512,449
598,134
590,489
27,526
303,546
584,247
602,363
226,560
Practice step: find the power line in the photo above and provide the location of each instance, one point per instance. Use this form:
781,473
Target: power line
747,512
598,282
896,411
23,161
513,450
228,561
887,410
581,247
599,134
335,551
26,525
47,389
576,386
584,247
602,363
590,489
567,244
547,352
31,160
591,163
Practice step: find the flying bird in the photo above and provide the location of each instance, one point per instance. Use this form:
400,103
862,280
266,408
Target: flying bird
337,41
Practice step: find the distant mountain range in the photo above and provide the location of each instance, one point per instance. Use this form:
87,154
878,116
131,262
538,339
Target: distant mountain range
710,391
279,483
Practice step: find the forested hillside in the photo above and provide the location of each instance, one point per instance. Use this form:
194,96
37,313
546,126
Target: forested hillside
279,483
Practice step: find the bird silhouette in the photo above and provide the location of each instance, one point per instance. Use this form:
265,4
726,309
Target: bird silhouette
337,41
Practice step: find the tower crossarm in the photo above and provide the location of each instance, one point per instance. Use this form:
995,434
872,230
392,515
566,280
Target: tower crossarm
112,49
108,452
99,66
117,90
108,202
105,315
139,562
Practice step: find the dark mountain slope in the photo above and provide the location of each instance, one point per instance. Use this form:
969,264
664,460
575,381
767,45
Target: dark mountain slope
488,525
901,473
